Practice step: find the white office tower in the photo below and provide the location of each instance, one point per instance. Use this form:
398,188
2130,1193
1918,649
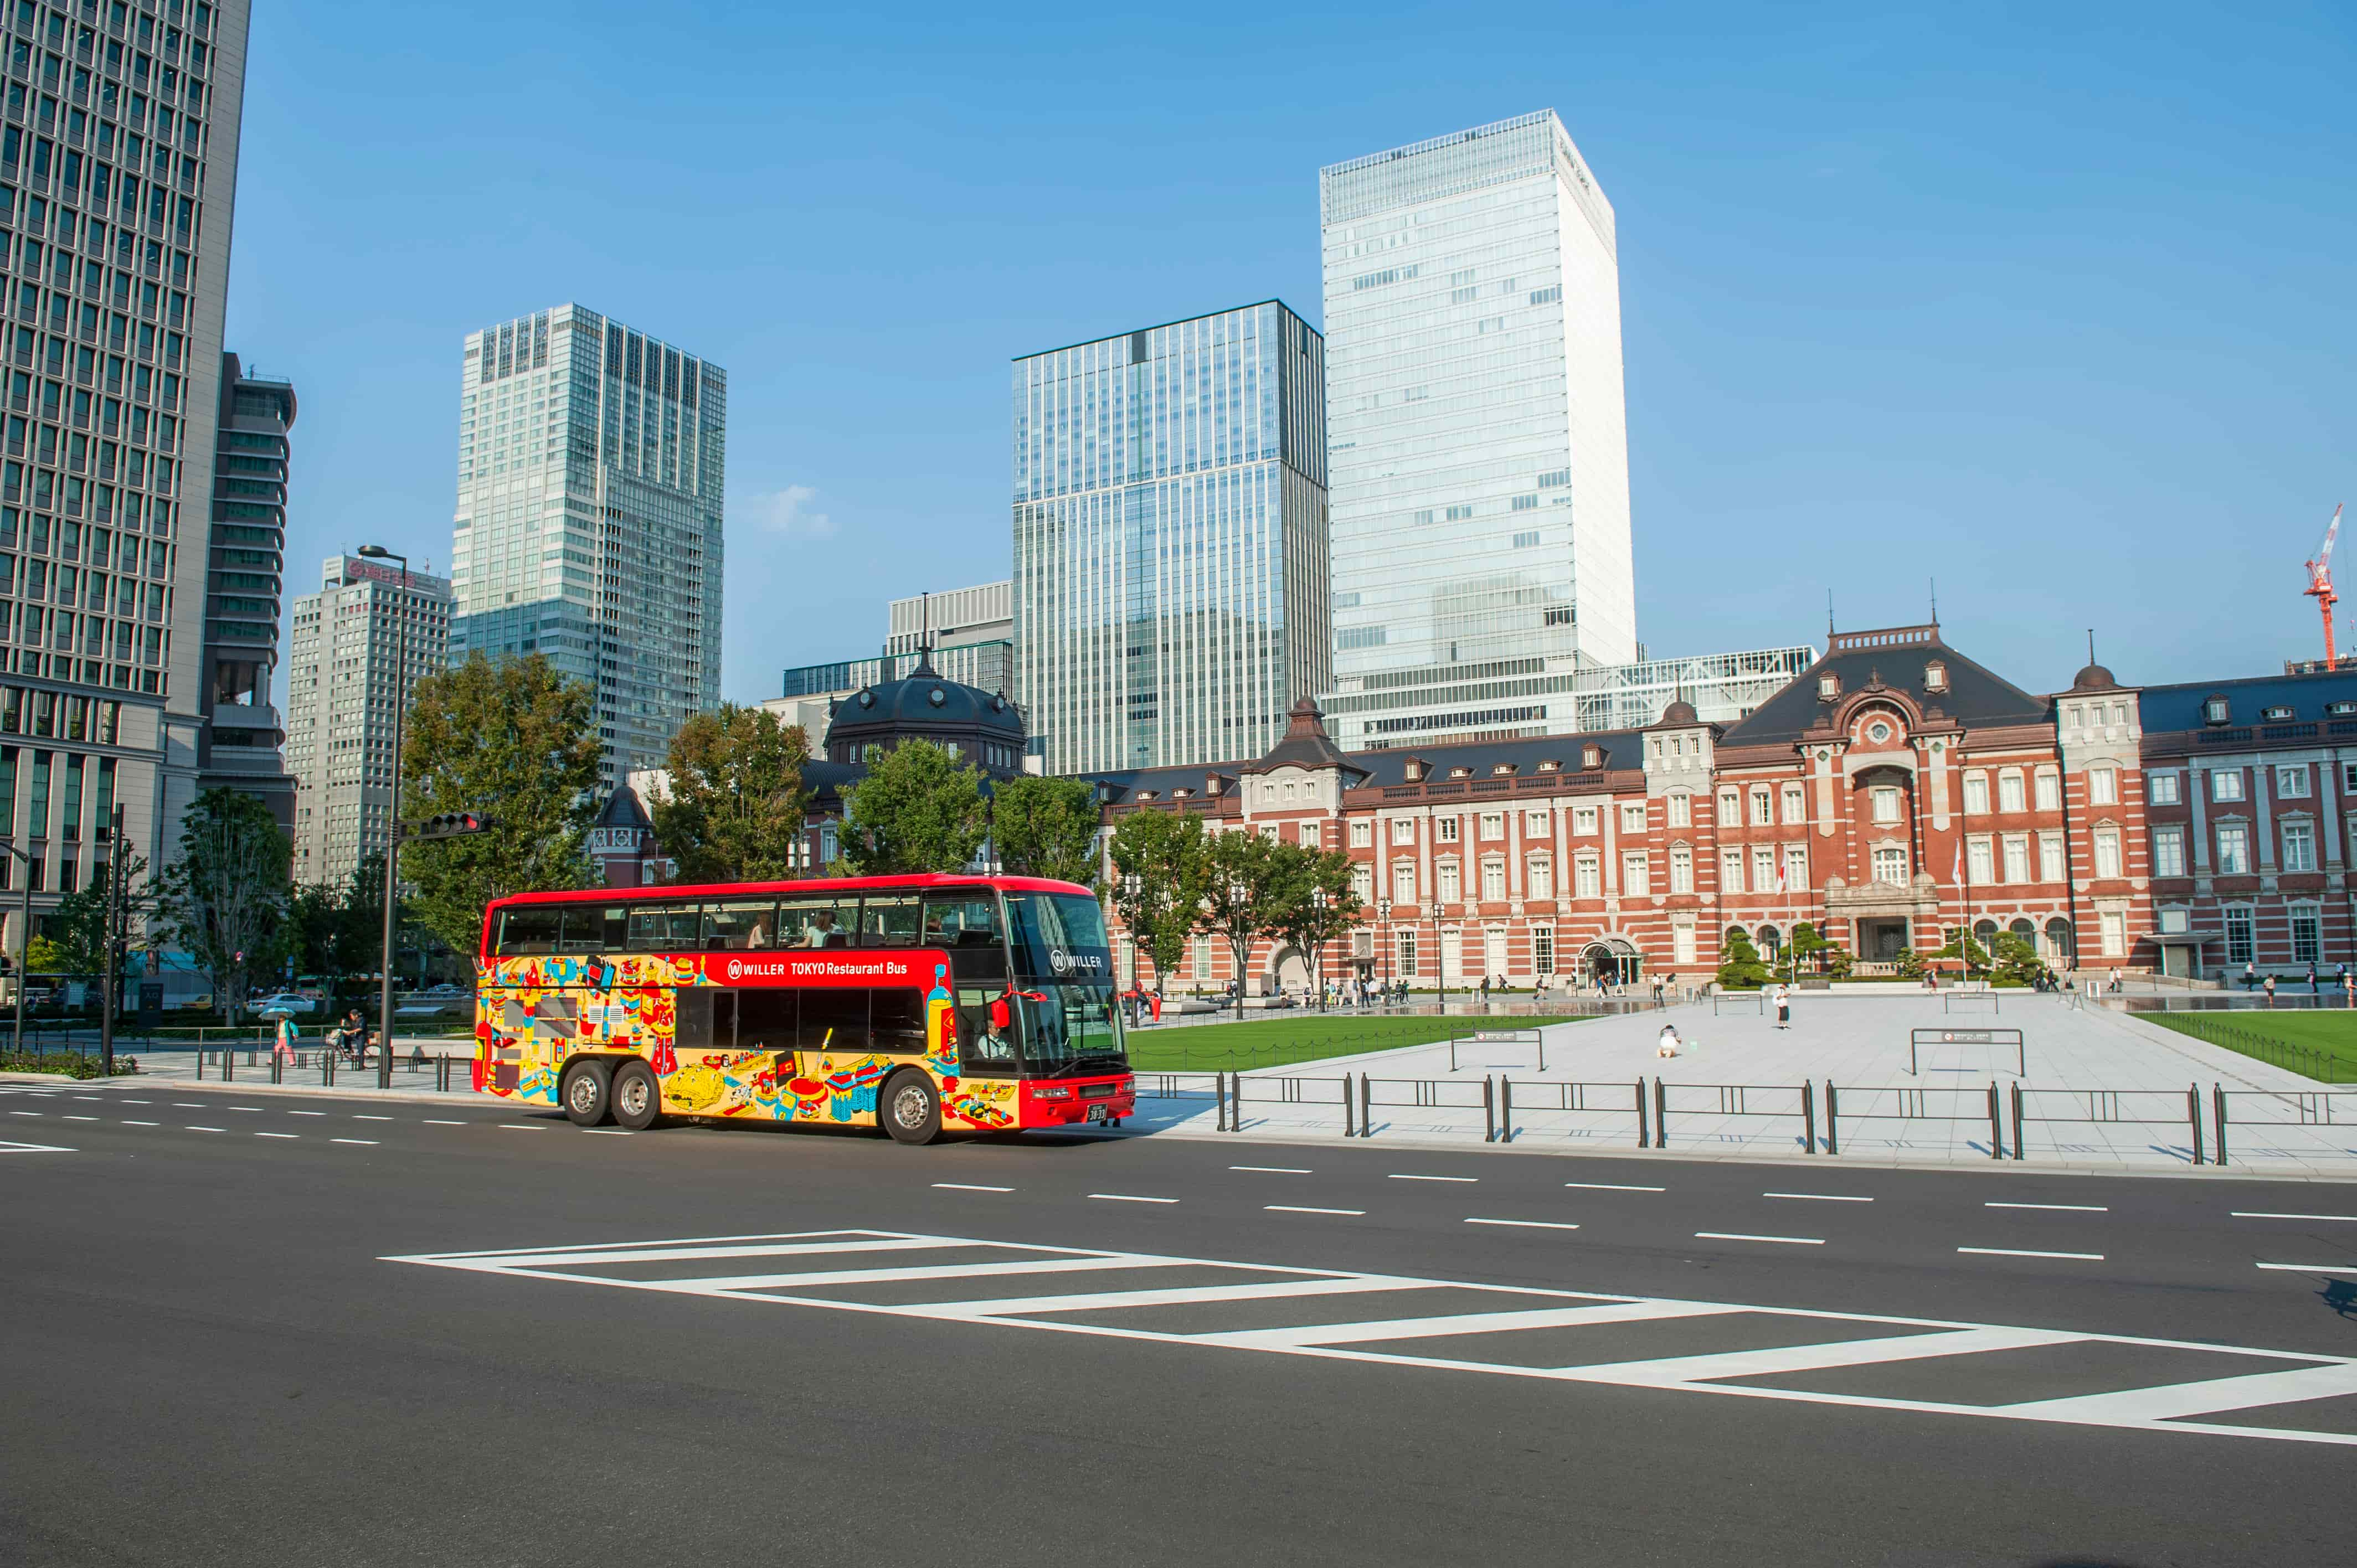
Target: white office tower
591,461
361,645
118,178
1477,439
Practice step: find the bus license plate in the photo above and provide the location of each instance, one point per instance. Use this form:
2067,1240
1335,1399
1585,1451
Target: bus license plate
1099,1113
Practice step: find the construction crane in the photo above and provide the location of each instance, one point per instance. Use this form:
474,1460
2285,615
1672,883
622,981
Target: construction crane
2319,584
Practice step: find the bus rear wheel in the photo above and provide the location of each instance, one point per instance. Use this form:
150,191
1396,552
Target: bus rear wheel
638,1099
586,1091
909,1108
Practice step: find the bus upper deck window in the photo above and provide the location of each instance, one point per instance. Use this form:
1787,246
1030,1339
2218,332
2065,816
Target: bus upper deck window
889,922
817,923
530,927
751,924
663,928
963,919
590,929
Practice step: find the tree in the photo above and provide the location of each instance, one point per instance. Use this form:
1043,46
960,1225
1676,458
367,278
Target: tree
1158,862
1297,914
223,901
1808,946
80,925
1740,968
43,955
2017,959
1962,945
337,930
916,810
1047,827
514,740
735,808
1240,885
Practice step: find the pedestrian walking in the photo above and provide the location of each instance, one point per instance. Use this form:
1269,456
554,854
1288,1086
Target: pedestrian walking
2348,988
2250,976
282,1048
1784,1008
2311,979
1485,988
2269,986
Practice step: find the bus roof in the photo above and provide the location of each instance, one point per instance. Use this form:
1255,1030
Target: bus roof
808,885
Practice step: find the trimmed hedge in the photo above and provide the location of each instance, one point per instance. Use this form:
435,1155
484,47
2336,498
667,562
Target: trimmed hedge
65,1063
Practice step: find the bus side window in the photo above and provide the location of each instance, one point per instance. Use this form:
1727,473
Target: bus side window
663,928
816,922
707,1018
898,1018
834,1019
530,927
766,1020
728,927
589,928
962,920
889,920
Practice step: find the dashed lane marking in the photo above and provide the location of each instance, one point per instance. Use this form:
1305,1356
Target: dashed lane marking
128,1122
208,1129
28,1113
307,1114
2313,1268
359,1117
82,1118
1612,1186
1305,1209
1527,1224
1532,1333
8,1147
1274,1170
2241,1214
1819,1197
435,1122
970,1186
1128,1197
2058,1207
370,1143
1397,1176
1738,1236
2026,1253
278,1135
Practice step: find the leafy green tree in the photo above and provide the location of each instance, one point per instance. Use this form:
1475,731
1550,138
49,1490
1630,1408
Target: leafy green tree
1909,963
1740,968
735,807
1807,947
1047,827
46,955
918,809
1242,895
80,925
1297,914
338,931
1962,945
223,899
2017,959
1158,862
515,740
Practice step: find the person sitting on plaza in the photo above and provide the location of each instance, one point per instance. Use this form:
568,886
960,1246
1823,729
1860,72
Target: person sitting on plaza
1669,1041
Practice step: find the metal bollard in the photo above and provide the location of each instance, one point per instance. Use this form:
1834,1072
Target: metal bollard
1489,1110
2193,1114
2218,1099
1660,1114
228,1064
2017,1121
1452,1053
1809,1115
1505,1109
1645,1128
1366,1107
276,1067
1833,1119
1996,1125
1235,1102
1220,1101
1348,1129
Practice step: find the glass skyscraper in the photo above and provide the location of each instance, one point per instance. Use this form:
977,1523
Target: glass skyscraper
591,459
1479,435
1170,559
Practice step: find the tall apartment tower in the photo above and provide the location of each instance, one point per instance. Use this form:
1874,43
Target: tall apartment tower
243,732
361,645
591,460
1170,547
1479,435
118,177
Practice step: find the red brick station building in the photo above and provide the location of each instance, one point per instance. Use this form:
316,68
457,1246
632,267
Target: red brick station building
1894,792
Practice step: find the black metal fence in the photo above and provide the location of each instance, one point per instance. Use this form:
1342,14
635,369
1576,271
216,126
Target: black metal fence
2212,1028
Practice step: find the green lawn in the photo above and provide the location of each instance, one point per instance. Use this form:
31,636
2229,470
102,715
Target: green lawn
1298,1037
2321,1045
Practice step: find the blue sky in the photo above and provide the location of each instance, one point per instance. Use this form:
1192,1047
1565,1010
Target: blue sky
2053,303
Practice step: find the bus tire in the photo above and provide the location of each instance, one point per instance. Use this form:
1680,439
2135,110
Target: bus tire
636,1097
587,1091
909,1108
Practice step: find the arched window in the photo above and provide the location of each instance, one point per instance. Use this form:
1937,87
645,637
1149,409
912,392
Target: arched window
1772,941
2057,939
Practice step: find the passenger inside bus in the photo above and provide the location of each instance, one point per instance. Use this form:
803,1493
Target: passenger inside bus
821,931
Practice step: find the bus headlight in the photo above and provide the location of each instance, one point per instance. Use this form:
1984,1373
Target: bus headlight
1053,1091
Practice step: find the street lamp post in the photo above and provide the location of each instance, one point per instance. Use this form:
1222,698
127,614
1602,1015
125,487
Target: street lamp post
1237,895
1320,902
24,948
392,807
114,960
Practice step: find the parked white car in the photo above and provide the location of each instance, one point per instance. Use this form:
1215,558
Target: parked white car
288,1003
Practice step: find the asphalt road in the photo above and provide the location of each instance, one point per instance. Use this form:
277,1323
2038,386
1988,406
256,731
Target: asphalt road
240,1330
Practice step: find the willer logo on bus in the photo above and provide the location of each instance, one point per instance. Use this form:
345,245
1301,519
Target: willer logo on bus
818,969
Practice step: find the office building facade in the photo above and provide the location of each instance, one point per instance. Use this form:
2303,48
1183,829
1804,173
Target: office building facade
119,131
591,464
243,731
360,647
1479,433
1172,575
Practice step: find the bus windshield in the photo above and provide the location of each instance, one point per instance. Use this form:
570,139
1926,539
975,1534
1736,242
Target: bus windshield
1063,974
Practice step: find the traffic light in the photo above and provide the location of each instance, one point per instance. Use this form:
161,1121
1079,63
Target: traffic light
449,825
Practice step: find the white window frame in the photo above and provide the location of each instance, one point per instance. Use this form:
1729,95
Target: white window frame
1493,827
1678,809
1681,945
1588,876
2108,860
2103,786
1583,821
1680,868
2011,794
2160,788
1980,860
1888,794
2046,791
1763,806
1976,794
1538,823
2233,849
2291,782
1763,868
1797,867
1448,882
1632,816
2112,927
2225,784
1493,880
1403,881
1402,830
2300,832
1730,871
1362,833
1795,805
2168,851
1883,854
2017,857
1538,876
2312,917
1636,873
1445,829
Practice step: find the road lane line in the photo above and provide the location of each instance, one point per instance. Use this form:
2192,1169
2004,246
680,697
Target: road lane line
1274,1170
90,1097
1128,1197
208,1129
128,1122
987,1307
1397,1176
971,1187
1303,1209
278,1135
1454,1324
2025,1252
82,1118
2313,1268
357,1117
2249,1391
1738,1236
189,1105
368,1142
1819,1197
2060,1207
307,1114
521,1127
138,1102
28,1113
601,1132
255,1108
833,1277
2241,1214
1527,1224
1612,1186
1675,1372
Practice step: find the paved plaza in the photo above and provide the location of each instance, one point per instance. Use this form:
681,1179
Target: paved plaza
2101,1089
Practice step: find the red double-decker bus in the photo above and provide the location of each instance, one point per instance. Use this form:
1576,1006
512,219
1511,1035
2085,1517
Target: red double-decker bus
919,1004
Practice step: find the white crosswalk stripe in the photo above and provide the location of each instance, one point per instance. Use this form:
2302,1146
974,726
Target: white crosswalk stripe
1530,1333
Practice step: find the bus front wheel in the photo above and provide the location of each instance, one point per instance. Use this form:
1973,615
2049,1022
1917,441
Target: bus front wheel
909,1109
638,1099
586,1092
